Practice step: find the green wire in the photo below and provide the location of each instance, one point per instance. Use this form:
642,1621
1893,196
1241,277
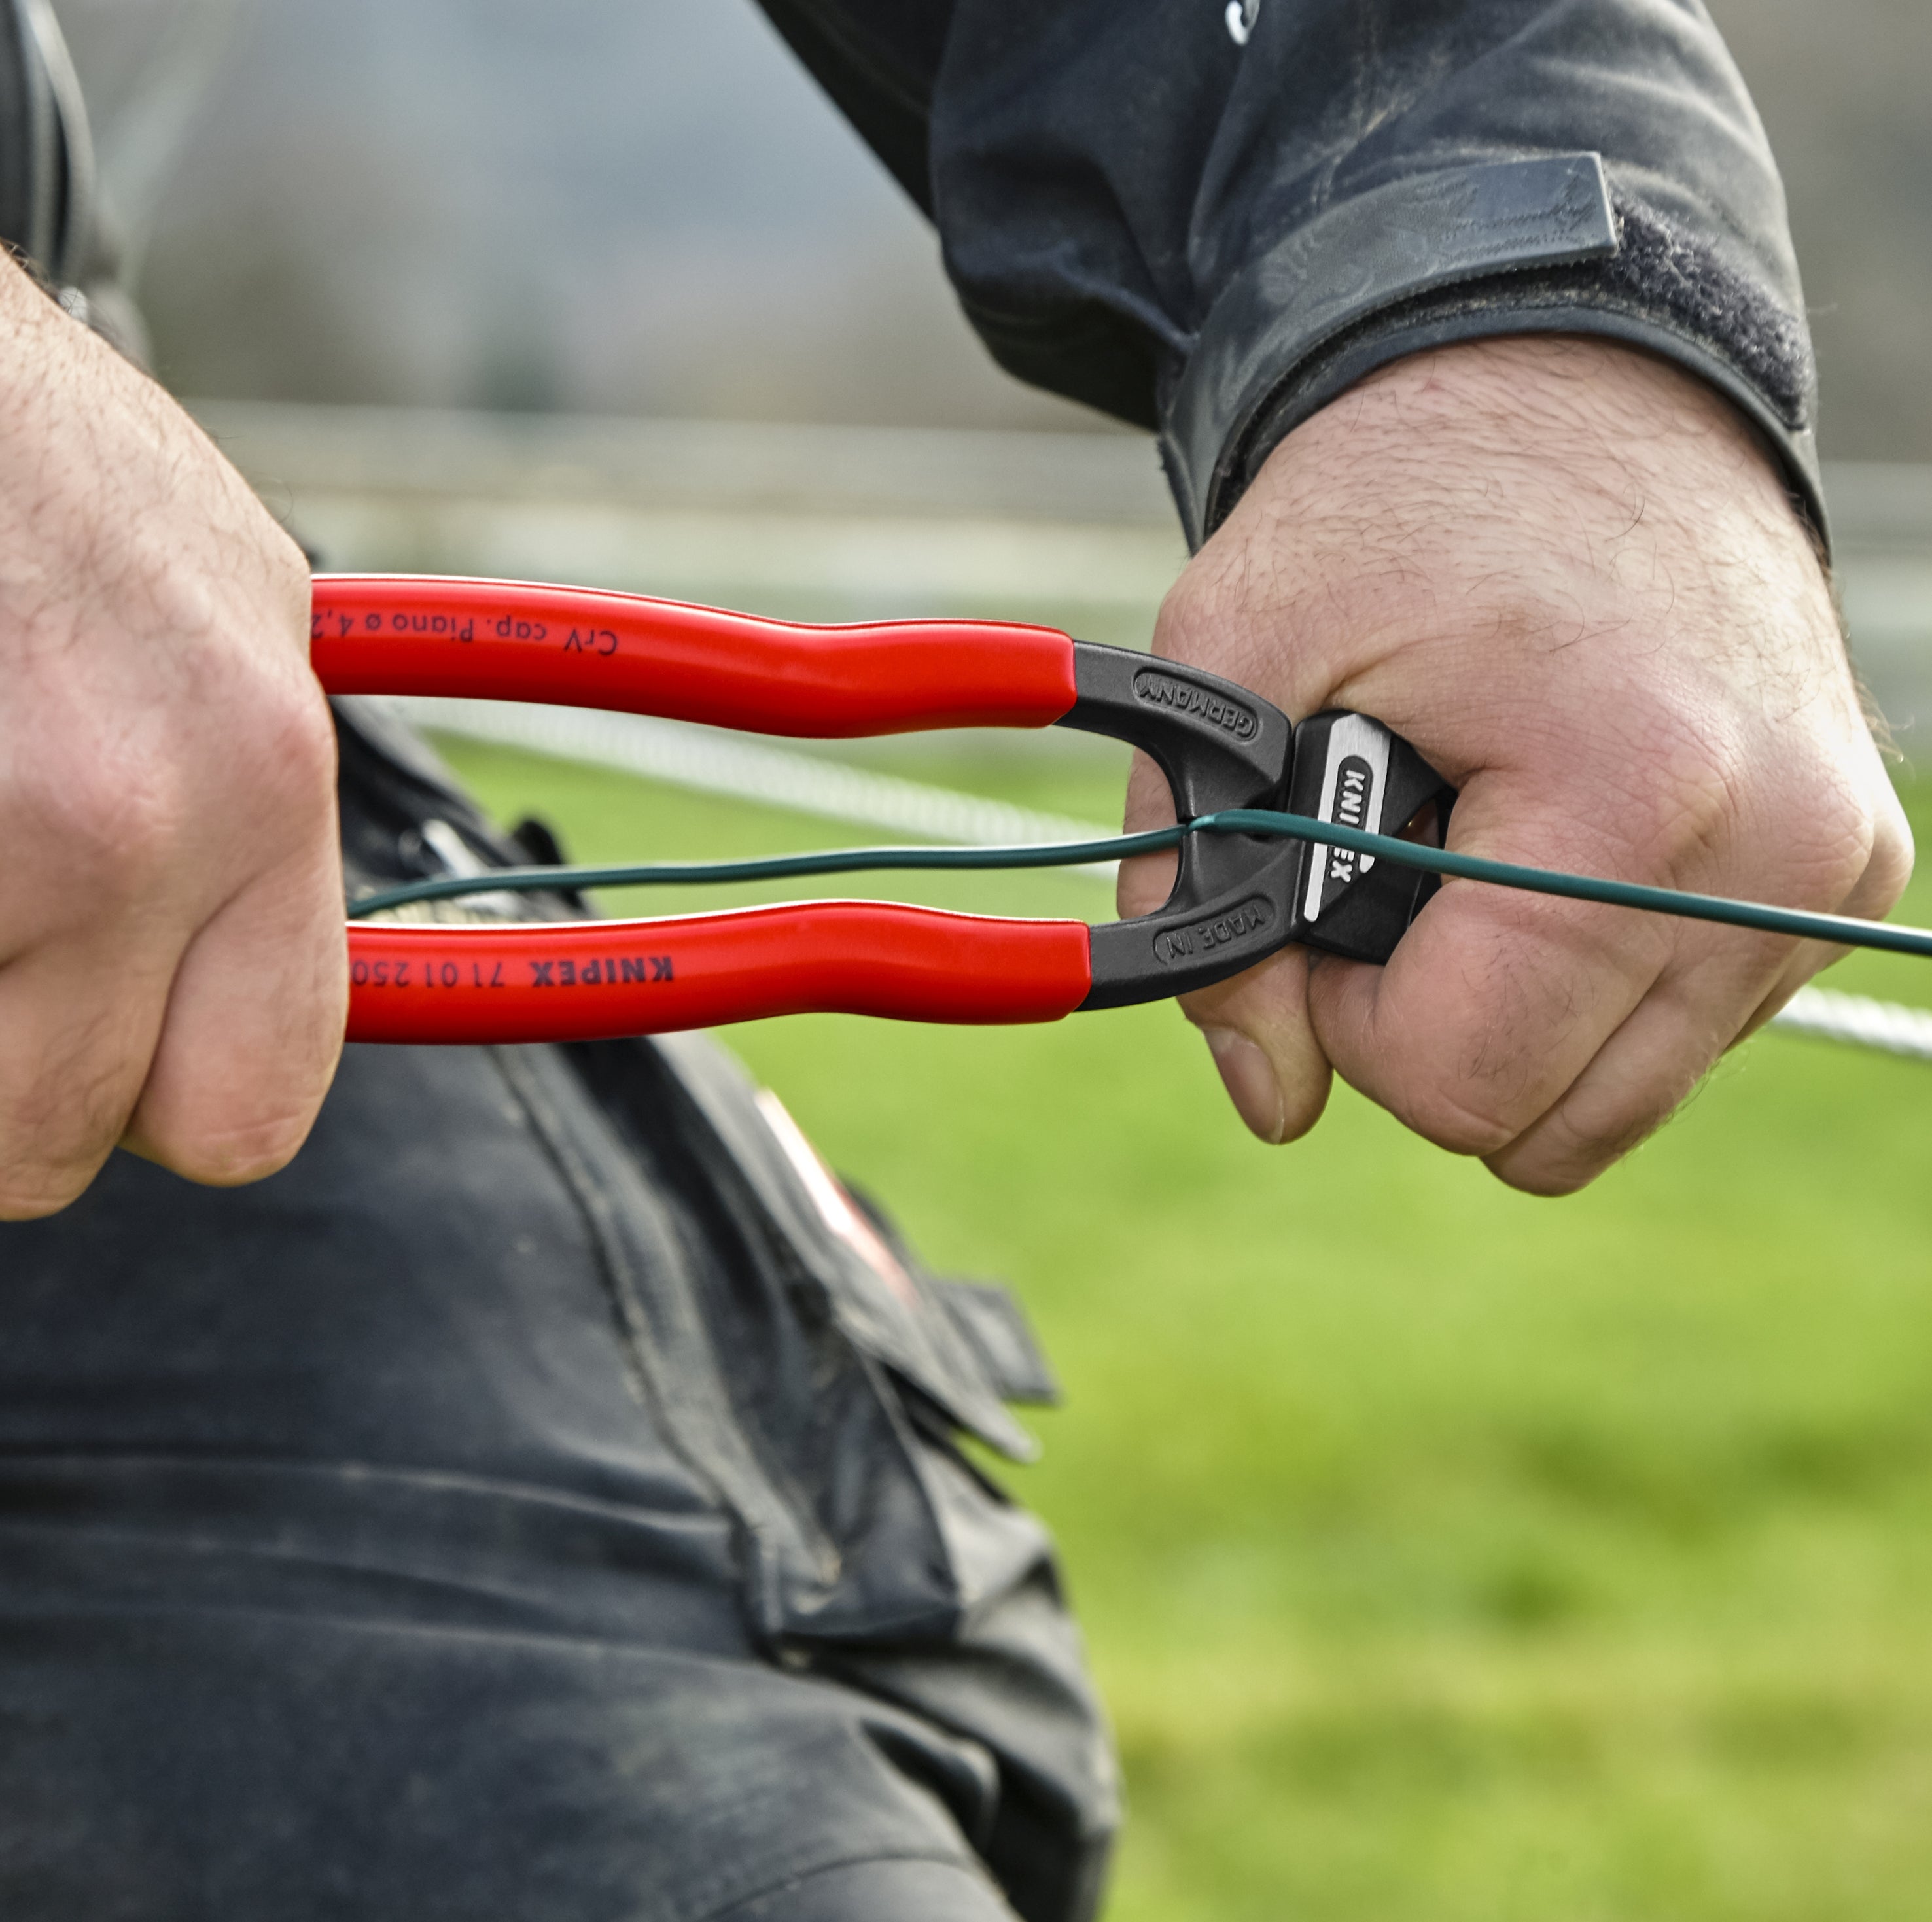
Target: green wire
1842,931
769,867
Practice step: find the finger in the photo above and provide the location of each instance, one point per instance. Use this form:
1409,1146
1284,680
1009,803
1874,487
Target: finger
1146,880
252,1030
78,1023
1570,1034
1646,1069
1256,1026
1874,896
1494,1002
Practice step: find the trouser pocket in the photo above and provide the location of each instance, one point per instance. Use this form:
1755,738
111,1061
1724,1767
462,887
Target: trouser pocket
851,1371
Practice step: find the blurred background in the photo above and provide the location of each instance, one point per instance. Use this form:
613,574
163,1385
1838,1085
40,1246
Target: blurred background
599,211
1445,1554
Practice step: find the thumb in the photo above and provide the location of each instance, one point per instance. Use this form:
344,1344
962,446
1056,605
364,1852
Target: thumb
1256,1025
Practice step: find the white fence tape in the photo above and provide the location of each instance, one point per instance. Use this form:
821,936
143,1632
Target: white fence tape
1858,1021
716,762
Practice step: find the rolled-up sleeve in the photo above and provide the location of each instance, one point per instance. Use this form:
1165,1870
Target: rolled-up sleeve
1211,216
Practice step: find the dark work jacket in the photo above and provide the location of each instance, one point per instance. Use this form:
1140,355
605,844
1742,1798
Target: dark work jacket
1209,216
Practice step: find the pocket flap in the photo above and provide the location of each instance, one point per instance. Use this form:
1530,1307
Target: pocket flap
887,1306
996,1329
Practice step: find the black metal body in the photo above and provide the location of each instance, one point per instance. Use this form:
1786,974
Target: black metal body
1238,898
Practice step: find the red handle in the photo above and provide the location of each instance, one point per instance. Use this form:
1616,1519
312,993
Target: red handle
510,640
584,981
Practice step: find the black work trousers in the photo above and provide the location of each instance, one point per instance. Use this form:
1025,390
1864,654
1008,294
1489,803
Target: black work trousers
532,1502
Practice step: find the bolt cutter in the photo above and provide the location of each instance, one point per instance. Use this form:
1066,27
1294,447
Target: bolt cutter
1236,898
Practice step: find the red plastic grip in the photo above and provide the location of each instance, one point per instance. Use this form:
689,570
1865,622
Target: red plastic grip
512,640
582,980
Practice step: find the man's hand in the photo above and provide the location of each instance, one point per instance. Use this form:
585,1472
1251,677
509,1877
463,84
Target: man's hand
172,951
1571,575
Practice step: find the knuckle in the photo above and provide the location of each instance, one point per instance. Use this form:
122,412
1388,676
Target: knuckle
294,747
64,1128
1840,825
1720,811
233,1155
32,1194
1442,1115
1563,1153
232,1123
114,826
1185,610
1204,604
1889,860
1888,875
1677,792
1548,1181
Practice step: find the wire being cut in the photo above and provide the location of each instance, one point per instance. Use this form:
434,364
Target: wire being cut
1841,930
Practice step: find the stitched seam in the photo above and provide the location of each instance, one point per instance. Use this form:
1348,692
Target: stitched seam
737,1488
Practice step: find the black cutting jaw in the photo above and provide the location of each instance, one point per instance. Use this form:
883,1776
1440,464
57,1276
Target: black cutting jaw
1238,898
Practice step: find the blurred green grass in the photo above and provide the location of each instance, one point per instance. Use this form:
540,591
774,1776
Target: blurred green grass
1445,1553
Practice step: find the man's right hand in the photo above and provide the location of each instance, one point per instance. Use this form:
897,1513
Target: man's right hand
1569,573
172,973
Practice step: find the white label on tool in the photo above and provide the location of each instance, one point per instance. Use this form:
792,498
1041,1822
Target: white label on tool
1354,782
